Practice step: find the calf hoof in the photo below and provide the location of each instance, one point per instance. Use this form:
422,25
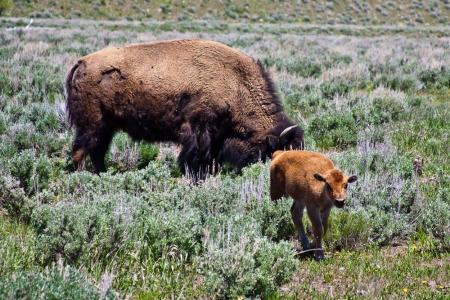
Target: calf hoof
305,245
318,255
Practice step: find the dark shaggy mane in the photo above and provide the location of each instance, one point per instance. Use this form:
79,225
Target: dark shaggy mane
277,108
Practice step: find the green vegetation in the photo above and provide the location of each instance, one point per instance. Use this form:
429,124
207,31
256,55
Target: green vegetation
372,101
398,272
314,12
5,5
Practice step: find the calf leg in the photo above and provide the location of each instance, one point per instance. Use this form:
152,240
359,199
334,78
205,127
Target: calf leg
324,217
297,216
314,216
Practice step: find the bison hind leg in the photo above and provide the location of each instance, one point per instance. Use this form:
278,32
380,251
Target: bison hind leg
79,156
92,142
98,152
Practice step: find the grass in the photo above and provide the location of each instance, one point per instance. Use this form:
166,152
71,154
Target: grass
373,98
315,12
397,272
413,271
18,249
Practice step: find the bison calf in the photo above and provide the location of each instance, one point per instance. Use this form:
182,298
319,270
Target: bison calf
312,180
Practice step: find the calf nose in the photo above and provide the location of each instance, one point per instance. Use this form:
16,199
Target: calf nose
339,202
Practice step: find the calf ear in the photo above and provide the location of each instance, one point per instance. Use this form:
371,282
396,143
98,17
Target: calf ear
319,177
272,142
352,178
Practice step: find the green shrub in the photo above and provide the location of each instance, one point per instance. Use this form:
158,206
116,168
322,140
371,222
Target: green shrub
24,136
397,82
429,125
5,5
54,283
274,218
5,84
336,130
337,59
3,123
83,231
305,102
330,89
21,167
435,78
46,84
7,151
384,111
426,244
13,198
171,161
43,117
53,145
304,68
17,251
277,264
34,172
348,229
435,215
247,268
147,153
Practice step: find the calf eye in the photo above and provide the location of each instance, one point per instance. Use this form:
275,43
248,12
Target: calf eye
345,186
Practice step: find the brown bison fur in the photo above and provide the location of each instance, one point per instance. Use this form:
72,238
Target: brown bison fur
215,101
312,180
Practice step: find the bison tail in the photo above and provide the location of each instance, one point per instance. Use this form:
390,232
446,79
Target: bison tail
69,91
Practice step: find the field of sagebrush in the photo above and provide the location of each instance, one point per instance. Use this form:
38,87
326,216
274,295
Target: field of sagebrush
373,99
363,12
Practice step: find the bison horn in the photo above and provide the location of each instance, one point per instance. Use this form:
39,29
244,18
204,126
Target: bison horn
286,132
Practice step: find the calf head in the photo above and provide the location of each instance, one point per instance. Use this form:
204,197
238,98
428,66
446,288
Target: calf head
336,183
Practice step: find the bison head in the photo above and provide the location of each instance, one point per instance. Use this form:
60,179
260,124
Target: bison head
241,151
290,138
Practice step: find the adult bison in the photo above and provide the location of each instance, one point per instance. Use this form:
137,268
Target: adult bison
215,101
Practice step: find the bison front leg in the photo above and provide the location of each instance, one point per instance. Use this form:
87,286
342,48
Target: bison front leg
195,157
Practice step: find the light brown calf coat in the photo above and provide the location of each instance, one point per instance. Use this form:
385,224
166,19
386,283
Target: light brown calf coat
312,180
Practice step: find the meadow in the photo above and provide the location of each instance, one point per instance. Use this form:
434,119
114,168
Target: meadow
373,98
356,12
